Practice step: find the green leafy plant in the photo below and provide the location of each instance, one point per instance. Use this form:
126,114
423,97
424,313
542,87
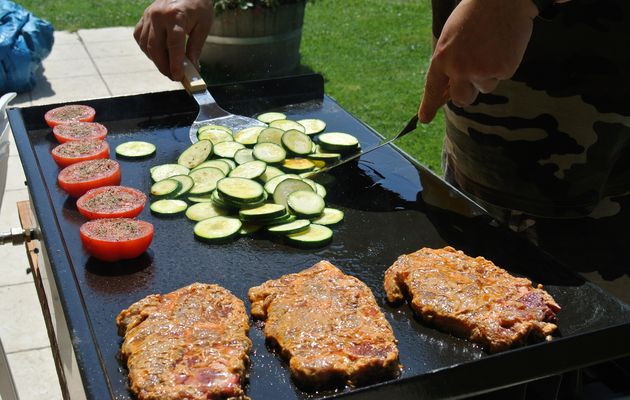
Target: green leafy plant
222,5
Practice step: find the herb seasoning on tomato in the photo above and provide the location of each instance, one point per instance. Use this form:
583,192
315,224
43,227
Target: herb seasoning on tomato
79,131
111,202
70,113
80,177
80,150
113,239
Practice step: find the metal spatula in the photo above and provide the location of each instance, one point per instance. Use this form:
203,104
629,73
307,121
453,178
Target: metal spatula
411,126
209,111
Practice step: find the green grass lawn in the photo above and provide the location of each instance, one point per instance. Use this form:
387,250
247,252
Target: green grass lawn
372,53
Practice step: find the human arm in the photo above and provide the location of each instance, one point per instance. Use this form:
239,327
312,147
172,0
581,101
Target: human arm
162,31
481,43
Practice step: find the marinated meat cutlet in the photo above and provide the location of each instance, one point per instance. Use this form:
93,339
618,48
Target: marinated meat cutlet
472,298
329,327
188,344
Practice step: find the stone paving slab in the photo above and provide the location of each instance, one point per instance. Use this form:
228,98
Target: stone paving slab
14,266
22,325
62,90
35,375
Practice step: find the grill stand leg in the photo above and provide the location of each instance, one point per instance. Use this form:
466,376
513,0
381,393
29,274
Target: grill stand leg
32,250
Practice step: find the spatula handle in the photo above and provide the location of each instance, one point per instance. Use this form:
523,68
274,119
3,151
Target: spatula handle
193,82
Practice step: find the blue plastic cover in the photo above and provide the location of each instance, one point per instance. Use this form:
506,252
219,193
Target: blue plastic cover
25,41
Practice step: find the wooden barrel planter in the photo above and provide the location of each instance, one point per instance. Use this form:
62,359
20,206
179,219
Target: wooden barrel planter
255,43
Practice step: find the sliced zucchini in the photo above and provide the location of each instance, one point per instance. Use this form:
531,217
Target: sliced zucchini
330,216
248,136
165,188
186,184
243,155
286,124
311,183
205,180
271,135
320,190
219,229
297,165
249,170
264,212
270,172
161,172
204,198
135,149
283,219
312,125
201,211
240,189
297,142
270,117
195,154
337,142
288,186
270,153
306,203
207,128
239,204
324,158
223,165
218,200
168,207
229,162
215,133
270,185
296,226
313,236
227,149
246,204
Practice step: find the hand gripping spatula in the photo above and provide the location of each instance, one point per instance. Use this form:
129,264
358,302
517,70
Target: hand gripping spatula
209,111
411,126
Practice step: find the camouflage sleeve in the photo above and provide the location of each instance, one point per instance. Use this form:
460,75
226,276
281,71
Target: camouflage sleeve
553,140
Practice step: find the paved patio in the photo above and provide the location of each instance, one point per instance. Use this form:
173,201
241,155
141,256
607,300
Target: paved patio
83,65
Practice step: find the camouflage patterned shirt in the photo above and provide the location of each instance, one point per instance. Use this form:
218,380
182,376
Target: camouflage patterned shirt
554,140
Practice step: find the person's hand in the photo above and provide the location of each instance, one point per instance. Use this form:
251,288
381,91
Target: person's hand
482,43
163,28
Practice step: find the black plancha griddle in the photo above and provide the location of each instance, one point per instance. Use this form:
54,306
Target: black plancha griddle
393,205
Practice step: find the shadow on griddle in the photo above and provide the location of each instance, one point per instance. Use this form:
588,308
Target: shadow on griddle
122,267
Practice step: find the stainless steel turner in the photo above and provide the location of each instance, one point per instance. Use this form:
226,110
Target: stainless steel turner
210,113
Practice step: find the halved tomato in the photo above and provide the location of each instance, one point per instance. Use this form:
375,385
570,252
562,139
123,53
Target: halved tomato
79,150
78,178
69,113
111,202
113,239
79,131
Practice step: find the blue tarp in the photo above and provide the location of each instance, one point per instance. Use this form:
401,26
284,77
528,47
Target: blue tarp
25,41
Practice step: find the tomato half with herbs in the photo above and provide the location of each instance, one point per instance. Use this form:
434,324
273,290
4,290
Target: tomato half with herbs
80,177
69,113
79,131
80,150
111,202
113,239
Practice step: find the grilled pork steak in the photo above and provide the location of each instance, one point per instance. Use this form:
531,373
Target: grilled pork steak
329,327
188,344
471,298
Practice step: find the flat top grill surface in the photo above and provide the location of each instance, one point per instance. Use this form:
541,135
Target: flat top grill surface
392,205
